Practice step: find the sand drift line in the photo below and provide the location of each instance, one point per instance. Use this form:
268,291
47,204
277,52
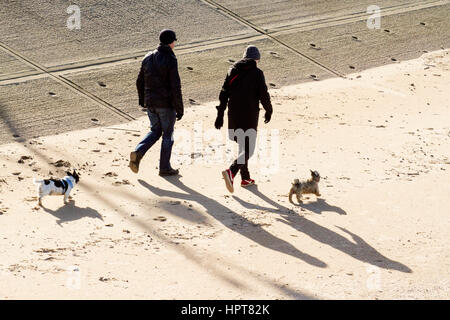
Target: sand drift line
69,84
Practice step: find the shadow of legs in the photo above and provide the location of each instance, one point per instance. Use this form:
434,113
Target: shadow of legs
223,214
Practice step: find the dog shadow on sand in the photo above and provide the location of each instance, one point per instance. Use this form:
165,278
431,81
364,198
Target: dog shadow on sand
70,212
320,206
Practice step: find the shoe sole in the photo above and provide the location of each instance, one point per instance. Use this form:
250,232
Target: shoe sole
132,164
247,185
228,182
168,174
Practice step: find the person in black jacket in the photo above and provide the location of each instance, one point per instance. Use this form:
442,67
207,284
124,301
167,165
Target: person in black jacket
244,88
159,88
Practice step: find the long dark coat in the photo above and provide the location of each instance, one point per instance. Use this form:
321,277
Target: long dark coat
244,88
158,83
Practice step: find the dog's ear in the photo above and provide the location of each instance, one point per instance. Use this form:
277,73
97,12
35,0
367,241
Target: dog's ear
312,172
68,173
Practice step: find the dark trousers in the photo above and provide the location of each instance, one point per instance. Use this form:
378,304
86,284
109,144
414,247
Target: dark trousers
162,122
247,144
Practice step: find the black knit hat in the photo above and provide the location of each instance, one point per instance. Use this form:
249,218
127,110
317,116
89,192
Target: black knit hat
167,36
252,52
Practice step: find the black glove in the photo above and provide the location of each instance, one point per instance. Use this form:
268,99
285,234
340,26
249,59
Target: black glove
179,116
219,120
267,117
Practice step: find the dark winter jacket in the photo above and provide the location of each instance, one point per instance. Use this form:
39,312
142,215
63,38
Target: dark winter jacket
243,89
158,82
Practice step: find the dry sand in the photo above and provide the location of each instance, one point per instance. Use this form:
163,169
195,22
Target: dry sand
380,230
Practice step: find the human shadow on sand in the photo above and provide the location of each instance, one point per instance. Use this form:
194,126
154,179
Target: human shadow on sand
358,249
223,214
70,212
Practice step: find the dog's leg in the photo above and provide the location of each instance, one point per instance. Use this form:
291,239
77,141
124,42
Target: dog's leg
291,193
40,195
66,197
299,197
317,193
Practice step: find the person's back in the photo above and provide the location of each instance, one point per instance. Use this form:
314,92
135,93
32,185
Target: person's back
162,87
246,88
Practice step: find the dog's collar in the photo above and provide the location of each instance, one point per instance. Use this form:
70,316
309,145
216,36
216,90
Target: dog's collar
69,182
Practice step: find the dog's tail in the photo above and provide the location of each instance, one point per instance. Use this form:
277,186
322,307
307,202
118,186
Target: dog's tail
37,181
296,182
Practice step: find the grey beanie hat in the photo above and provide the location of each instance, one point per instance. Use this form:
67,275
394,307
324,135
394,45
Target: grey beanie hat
252,52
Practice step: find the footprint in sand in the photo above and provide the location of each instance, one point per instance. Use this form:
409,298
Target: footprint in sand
124,182
190,68
61,163
23,159
110,174
314,46
275,54
193,102
160,218
101,84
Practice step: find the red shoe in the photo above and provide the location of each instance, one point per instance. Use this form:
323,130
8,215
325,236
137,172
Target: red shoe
247,183
228,177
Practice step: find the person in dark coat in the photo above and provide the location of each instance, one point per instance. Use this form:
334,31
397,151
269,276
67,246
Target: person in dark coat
159,89
244,88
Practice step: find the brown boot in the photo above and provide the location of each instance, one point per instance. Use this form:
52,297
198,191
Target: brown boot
135,159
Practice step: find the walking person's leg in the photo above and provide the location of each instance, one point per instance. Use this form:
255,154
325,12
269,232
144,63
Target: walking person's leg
168,118
250,145
148,141
246,144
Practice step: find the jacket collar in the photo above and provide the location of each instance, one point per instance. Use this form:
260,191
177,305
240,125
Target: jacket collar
165,48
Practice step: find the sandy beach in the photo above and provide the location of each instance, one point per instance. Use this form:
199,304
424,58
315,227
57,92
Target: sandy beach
380,230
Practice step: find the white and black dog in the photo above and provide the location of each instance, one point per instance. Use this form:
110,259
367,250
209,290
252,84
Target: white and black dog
57,186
